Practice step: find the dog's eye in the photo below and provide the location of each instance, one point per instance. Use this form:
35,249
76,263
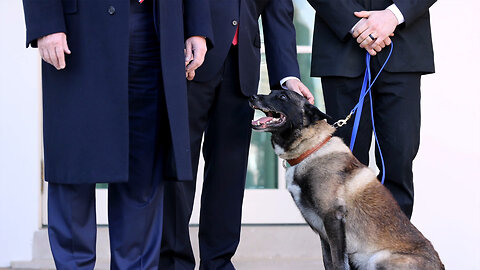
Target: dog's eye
283,97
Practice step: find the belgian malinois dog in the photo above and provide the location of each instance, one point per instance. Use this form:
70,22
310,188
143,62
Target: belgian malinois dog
358,220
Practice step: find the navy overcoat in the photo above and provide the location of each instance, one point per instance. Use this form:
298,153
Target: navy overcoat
85,106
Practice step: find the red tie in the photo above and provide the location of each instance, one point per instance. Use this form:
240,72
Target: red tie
235,38
140,1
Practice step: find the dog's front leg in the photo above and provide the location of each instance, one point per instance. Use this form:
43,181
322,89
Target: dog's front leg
326,254
335,227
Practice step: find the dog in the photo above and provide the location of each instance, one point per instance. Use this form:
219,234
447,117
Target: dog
358,220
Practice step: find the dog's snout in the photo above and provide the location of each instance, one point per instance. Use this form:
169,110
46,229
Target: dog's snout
253,98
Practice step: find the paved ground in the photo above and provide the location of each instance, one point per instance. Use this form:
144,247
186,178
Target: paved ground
297,264
271,264
285,247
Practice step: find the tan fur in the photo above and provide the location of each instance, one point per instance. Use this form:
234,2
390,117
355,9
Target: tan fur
356,185
378,234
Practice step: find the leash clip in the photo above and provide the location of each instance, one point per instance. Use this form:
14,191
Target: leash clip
284,164
342,122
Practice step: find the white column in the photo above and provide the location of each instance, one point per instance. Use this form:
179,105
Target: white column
19,137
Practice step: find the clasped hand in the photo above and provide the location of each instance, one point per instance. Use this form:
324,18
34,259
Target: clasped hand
378,25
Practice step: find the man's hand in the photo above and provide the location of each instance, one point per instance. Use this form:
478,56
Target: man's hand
195,50
378,24
297,86
52,49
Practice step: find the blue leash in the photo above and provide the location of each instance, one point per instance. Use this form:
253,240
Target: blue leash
367,82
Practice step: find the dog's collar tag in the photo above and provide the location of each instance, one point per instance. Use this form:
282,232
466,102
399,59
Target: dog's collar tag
303,156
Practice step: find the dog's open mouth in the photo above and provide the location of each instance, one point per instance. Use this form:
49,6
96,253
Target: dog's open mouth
272,119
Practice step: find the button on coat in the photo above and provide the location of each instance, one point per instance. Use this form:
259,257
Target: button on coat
111,10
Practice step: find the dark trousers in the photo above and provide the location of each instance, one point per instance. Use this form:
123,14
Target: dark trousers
219,111
134,207
396,109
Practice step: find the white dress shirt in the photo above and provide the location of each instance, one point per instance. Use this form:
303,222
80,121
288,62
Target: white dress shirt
393,8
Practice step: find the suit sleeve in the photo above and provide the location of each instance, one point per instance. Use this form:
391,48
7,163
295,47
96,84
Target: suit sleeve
280,41
338,14
43,17
198,20
413,9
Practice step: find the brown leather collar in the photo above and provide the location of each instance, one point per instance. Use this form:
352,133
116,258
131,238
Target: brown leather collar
303,156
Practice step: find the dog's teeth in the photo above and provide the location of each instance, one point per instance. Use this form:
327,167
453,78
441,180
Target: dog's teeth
274,120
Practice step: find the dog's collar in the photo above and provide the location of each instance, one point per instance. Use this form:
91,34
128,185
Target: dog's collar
303,156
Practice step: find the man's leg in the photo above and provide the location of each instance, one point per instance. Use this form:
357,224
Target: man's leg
341,94
135,208
135,214
177,253
72,227
226,146
397,120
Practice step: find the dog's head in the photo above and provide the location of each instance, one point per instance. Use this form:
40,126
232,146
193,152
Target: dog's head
287,113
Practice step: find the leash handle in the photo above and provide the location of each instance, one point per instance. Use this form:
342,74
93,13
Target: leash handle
367,59
363,92
357,110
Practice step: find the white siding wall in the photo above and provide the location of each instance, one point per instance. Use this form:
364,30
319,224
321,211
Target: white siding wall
447,181
19,137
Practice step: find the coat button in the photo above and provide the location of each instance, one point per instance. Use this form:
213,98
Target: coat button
234,23
111,10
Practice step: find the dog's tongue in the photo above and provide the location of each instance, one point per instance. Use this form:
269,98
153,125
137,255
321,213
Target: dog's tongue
262,120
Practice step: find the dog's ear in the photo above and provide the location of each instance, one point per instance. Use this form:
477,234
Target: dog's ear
313,114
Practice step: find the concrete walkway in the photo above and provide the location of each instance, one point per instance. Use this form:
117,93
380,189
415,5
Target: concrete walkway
280,264
285,247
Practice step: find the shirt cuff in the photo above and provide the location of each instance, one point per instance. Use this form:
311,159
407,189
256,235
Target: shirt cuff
393,8
353,28
284,80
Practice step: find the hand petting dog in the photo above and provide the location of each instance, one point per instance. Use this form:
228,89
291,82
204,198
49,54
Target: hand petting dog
297,86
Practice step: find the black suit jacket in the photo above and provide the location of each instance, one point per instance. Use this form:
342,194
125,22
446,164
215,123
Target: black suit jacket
279,36
336,52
